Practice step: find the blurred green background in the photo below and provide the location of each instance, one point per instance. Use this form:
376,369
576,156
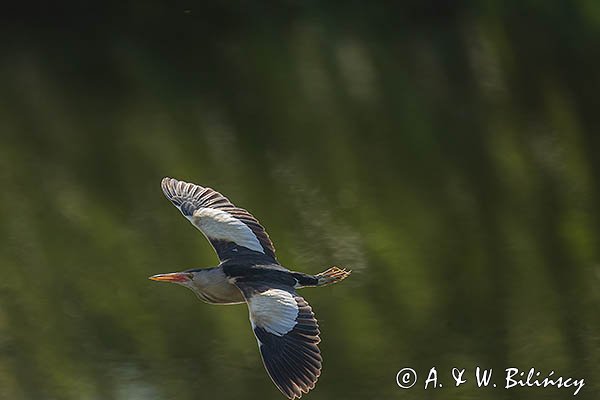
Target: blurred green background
446,152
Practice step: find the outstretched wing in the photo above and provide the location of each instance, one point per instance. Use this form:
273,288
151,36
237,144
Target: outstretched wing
230,230
287,334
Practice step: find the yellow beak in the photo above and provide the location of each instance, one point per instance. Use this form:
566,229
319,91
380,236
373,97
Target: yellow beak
174,277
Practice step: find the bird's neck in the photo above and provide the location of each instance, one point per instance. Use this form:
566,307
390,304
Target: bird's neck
213,286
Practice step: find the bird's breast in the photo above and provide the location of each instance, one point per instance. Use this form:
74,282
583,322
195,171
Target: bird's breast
212,286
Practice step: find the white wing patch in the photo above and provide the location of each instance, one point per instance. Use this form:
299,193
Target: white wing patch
220,225
274,310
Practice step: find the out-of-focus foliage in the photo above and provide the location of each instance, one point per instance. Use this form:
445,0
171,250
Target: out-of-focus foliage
448,154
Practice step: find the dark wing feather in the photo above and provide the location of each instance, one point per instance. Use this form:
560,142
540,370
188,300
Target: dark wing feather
287,333
230,229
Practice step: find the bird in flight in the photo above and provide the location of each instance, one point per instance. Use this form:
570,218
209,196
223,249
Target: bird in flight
283,322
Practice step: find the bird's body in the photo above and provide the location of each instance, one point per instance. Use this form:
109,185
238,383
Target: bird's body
283,322
218,285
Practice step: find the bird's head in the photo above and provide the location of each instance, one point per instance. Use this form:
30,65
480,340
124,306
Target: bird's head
194,279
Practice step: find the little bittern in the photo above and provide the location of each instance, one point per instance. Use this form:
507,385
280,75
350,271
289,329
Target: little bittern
283,322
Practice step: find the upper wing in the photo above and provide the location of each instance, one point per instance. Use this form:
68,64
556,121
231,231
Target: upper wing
228,228
287,334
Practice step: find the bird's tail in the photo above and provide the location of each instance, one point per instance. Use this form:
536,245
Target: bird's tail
332,275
